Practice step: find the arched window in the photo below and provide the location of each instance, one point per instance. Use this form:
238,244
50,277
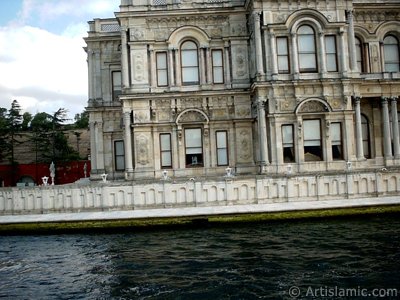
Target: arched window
190,63
359,55
391,53
307,49
365,136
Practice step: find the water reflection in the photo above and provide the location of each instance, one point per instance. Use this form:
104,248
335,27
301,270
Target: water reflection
260,260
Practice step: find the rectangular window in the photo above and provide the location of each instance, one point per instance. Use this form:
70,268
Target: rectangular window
283,54
119,155
166,150
330,51
222,148
336,140
312,140
288,143
116,84
218,69
162,69
193,147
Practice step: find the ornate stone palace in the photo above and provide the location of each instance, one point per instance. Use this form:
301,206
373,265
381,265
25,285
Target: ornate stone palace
271,87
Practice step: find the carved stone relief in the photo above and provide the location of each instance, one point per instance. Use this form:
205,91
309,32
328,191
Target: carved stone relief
243,111
312,106
164,115
192,116
138,62
240,62
244,145
143,152
137,34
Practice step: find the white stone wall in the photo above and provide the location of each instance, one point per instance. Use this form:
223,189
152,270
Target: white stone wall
196,192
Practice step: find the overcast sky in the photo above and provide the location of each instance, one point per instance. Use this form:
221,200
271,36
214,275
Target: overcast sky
42,61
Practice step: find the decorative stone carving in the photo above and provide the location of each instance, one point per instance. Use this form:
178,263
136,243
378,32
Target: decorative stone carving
243,112
240,60
142,150
244,145
312,106
191,102
138,62
192,116
141,117
137,34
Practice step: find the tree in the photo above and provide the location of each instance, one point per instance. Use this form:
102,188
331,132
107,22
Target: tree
41,126
26,120
82,120
14,125
60,147
4,148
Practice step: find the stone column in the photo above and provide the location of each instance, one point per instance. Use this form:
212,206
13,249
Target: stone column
91,74
387,145
97,76
395,128
209,65
360,148
202,66
227,65
343,52
178,68
99,144
262,132
258,43
153,68
382,56
171,67
352,42
295,54
93,148
273,53
322,52
124,62
128,146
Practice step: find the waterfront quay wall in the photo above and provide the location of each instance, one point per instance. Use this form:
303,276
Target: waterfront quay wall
112,195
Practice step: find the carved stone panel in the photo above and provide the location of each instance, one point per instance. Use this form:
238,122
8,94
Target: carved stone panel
192,116
312,106
240,62
143,150
244,145
139,67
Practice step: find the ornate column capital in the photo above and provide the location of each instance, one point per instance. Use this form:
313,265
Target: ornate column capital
357,99
384,100
257,16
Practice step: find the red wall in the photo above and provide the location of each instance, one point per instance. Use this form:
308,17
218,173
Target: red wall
66,172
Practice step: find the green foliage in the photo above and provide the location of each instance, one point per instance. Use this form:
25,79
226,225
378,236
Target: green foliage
26,120
48,134
82,120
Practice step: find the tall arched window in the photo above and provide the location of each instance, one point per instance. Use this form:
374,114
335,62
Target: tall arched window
307,49
359,55
391,53
190,63
365,136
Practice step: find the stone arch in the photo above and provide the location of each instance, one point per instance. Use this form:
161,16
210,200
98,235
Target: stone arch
188,32
306,16
192,115
362,34
386,28
313,105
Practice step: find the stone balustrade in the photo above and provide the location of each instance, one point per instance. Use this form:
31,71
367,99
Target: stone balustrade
99,196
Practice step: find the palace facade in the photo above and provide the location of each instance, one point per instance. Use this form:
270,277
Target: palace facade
262,87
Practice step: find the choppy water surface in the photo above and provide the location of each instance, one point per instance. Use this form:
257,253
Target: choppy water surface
253,261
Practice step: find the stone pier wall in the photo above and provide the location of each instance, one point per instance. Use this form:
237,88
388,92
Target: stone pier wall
101,196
